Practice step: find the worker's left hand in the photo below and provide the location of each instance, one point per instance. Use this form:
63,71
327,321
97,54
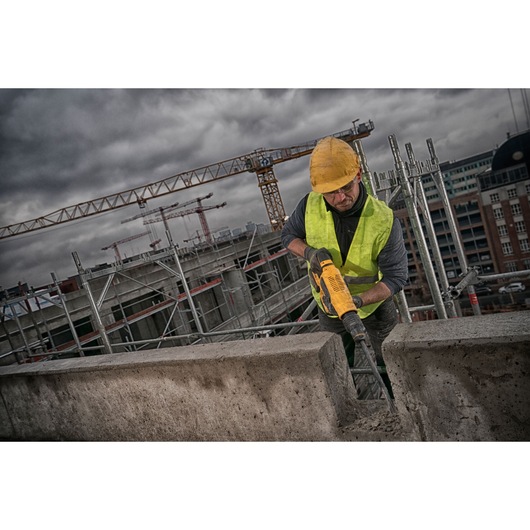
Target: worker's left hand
358,301
316,257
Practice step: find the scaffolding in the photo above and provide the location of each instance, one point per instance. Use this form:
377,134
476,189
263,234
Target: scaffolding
406,182
169,297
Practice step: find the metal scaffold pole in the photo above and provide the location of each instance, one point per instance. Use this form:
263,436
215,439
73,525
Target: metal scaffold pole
95,311
20,357
417,229
186,287
438,180
429,226
383,185
368,180
403,306
36,326
60,294
8,333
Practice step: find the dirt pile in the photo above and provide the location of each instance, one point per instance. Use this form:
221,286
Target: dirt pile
376,424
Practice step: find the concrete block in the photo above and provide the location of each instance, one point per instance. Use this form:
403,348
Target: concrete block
463,378
285,388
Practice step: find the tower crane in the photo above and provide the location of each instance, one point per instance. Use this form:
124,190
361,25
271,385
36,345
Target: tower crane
260,161
116,243
161,210
199,210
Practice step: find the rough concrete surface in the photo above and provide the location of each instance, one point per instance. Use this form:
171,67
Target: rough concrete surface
463,379
286,388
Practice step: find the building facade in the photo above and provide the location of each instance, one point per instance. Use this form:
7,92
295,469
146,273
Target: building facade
504,192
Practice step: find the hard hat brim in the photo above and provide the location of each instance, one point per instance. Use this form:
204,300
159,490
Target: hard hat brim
326,187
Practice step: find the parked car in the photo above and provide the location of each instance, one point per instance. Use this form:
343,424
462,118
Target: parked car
514,287
483,289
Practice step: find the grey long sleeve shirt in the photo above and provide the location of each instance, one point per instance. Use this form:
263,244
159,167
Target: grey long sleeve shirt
392,261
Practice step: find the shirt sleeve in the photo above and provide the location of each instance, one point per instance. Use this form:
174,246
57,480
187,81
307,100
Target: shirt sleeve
392,260
294,228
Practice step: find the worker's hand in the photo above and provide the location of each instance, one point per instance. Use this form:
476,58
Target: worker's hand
358,301
316,257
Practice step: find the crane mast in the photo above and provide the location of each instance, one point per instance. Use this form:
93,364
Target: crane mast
260,161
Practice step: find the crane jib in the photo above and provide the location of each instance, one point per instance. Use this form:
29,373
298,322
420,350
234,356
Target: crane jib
260,161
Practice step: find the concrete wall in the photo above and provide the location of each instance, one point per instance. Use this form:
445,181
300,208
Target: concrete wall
456,379
287,388
463,379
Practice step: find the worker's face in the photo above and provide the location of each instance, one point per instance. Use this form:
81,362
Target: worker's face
344,198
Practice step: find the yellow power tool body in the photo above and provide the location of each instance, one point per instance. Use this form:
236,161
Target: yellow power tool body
336,298
337,301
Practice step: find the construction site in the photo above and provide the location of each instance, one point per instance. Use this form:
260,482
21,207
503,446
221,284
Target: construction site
187,303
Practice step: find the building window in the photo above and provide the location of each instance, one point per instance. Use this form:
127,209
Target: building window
494,197
512,193
516,209
520,227
503,230
511,266
526,263
507,249
498,213
528,189
523,243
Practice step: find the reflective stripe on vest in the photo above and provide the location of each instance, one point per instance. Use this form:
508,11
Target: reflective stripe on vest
360,270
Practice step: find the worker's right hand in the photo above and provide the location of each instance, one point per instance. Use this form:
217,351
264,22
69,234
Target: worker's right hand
316,257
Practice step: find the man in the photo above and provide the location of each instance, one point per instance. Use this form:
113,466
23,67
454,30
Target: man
360,233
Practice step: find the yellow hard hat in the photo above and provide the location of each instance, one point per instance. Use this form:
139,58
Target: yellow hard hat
333,164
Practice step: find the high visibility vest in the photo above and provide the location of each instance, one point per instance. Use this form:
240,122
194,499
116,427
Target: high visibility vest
360,270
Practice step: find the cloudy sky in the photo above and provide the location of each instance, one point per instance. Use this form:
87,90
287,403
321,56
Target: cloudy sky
82,114
60,147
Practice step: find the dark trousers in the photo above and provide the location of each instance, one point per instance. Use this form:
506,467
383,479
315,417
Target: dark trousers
378,326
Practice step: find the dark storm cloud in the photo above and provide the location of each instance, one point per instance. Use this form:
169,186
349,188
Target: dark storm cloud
72,139
62,147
